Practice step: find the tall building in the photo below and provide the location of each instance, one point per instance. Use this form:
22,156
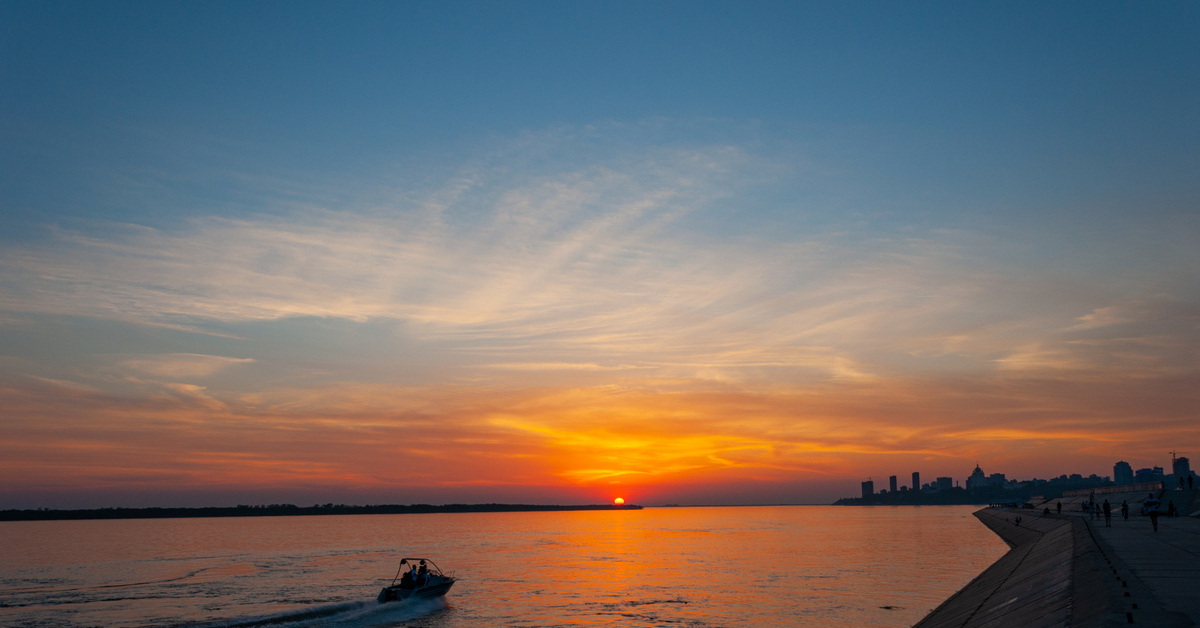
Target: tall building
945,484
916,481
868,489
892,482
1181,467
1123,473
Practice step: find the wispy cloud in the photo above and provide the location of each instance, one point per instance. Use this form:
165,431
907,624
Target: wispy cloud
178,366
602,263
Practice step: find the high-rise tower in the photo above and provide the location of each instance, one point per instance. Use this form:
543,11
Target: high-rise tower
1122,473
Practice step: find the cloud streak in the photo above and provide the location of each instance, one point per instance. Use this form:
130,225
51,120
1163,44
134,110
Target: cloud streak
594,263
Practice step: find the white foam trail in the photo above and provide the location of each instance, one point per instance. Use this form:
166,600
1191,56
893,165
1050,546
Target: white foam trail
359,614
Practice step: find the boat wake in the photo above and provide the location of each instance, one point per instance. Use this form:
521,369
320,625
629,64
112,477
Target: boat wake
360,614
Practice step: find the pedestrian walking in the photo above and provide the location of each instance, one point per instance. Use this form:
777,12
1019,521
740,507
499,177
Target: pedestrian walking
1107,514
1151,506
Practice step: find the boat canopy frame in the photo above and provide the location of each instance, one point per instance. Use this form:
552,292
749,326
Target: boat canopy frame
433,570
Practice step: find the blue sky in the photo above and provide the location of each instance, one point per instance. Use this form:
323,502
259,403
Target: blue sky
801,242
1001,102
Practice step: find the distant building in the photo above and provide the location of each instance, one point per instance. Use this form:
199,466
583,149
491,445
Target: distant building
916,481
1123,473
1181,467
944,484
868,489
976,480
1148,475
892,482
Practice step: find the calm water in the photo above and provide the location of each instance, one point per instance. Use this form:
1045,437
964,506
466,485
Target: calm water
765,566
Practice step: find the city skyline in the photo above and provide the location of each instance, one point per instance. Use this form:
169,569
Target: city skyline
1122,473
673,252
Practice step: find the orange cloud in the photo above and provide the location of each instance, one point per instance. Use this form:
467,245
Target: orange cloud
475,442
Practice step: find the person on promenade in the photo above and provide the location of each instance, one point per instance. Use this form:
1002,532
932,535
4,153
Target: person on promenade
1151,505
1125,509
1092,505
1060,508
1107,514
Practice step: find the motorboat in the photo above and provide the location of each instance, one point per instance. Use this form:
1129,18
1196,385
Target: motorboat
417,578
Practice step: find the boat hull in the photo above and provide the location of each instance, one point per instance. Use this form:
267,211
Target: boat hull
397,594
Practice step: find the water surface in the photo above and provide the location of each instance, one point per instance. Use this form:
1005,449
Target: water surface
760,566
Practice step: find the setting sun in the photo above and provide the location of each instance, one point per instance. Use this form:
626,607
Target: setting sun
618,501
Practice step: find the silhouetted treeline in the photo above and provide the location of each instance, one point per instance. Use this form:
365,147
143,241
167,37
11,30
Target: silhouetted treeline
285,510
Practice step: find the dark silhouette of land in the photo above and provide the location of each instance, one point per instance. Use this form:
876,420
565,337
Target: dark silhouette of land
287,510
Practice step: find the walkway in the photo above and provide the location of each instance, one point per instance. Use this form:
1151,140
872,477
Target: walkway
1070,572
1163,565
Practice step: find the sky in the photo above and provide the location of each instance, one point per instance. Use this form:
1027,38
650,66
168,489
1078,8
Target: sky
677,252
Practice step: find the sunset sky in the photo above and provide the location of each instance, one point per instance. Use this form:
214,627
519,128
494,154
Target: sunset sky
688,252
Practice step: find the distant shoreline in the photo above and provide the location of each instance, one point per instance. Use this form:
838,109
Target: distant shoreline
286,510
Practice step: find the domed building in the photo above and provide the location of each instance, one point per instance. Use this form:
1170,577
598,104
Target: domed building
977,479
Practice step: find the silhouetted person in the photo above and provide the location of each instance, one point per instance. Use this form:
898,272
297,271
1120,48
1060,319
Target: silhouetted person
1107,514
1171,512
1060,508
412,576
1125,509
1151,505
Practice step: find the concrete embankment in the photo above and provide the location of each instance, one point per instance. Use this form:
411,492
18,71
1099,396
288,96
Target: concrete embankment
1063,572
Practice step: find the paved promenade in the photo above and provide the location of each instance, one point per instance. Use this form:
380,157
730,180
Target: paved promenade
1070,571
1163,565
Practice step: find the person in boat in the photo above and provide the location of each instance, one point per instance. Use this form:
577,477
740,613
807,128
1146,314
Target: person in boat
423,573
406,581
